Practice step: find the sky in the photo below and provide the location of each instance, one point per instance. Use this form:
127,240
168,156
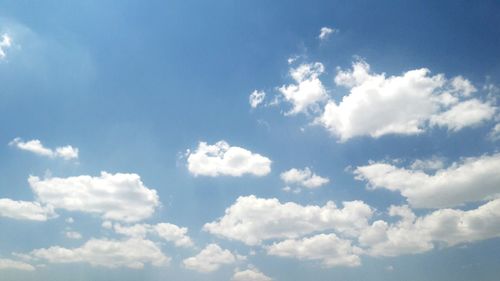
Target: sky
249,140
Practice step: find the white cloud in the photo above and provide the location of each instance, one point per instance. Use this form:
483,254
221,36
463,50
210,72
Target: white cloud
407,104
432,164
221,159
305,178
252,220
447,227
132,253
210,259
328,248
325,32
5,43
12,264
166,231
25,210
495,133
308,91
472,179
35,146
121,197
250,274
256,98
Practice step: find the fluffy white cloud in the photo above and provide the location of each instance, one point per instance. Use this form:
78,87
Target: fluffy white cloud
447,227
12,264
308,91
407,104
472,179
5,43
330,249
166,231
132,253
256,98
35,146
251,274
73,235
25,210
121,197
221,159
304,178
252,220
325,32
210,259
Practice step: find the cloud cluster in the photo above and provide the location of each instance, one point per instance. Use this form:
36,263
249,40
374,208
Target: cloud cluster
210,259
305,178
472,179
166,231
407,104
221,159
132,253
120,197
35,146
253,220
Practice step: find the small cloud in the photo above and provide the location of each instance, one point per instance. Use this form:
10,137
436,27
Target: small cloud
73,235
256,98
325,33
5,43
67,152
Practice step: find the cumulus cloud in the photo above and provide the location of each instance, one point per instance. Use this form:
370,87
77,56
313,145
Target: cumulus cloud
250,274
325,32
12,264
407,104
35,146
221,159
166,231
121,197
472,179
25,210
210,259
253,220
132,253
308,91
328,248
495,133
305,178
5,43
256,98
446,227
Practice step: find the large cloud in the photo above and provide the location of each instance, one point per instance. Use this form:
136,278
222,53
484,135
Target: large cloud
25,210
210,259
377,105
121,197
330,249
472,179
221,159
35,146
132,253
252,220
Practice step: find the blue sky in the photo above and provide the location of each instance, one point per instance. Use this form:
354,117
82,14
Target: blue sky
250,140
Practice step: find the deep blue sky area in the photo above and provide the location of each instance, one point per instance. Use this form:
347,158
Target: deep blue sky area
137,86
